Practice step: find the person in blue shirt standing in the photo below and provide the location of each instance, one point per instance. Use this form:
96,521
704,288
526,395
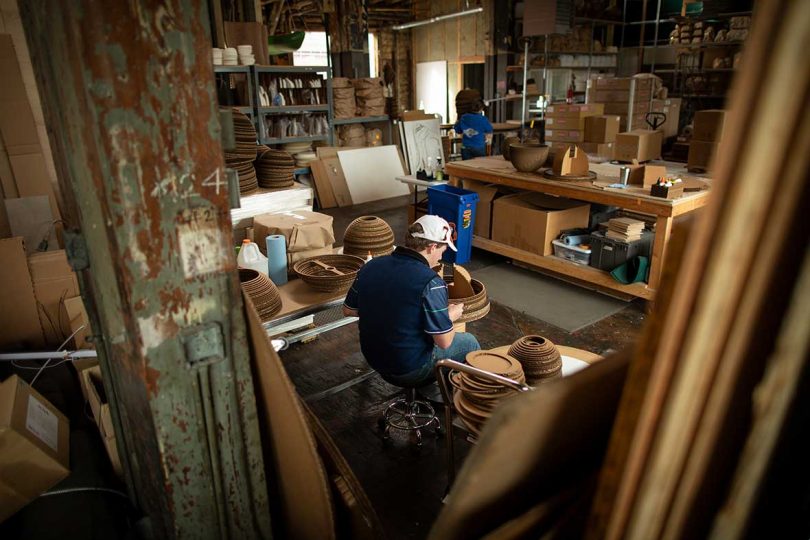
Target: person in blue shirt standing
406,322
473,126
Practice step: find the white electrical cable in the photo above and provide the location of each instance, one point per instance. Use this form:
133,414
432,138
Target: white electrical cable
79,489
57,350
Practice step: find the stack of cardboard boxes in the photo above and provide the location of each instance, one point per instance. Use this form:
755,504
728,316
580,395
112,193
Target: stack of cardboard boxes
615,93
600,134
565,124
671,107
708,130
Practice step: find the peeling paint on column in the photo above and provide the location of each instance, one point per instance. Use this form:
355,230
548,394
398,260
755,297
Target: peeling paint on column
137,139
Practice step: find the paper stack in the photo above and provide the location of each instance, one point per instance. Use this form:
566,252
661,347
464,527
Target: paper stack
625,229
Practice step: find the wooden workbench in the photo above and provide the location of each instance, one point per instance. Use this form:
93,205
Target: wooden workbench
495,170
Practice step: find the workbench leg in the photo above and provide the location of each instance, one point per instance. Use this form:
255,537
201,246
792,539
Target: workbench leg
663,226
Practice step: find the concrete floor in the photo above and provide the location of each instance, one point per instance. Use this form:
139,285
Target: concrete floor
406,485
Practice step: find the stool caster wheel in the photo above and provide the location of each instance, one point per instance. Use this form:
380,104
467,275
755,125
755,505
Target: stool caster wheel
417,434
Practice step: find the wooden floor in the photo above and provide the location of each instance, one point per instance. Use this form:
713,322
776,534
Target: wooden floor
406,484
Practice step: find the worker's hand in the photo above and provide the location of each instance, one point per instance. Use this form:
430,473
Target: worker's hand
454,310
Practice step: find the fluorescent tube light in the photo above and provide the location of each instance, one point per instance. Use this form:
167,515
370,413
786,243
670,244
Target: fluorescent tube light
438,18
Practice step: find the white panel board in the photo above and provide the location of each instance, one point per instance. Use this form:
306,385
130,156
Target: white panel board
423,141
371,173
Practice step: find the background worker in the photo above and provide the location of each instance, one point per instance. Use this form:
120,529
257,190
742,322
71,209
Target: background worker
475,128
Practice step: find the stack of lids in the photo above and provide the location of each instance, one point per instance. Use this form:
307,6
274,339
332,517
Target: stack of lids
475,397
625,229
463,289
368,234
230,57
216,56
540,358
246,57
297,147
465,100
329,273
241,158
275,168
262,291
304,159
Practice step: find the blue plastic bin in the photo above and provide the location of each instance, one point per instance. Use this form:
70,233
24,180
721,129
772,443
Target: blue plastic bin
457,206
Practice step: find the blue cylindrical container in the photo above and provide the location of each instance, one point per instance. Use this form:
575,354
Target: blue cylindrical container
277,258
457,206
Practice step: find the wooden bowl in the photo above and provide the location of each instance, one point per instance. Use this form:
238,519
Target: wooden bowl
528,157
506,151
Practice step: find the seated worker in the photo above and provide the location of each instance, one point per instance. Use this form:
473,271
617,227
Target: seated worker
406,323
473,126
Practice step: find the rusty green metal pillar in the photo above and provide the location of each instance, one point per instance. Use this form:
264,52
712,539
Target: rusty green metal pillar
131,109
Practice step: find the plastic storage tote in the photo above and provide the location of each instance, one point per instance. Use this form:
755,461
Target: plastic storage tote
571,252
457,206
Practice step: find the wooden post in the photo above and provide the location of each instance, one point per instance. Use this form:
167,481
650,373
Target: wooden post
132,112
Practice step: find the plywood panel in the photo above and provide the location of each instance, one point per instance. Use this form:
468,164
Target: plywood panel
467,35
373,183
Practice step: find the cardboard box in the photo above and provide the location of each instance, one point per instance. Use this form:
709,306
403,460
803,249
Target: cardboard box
562,135
701,154
646,175
530,221
709,125
19,317
623,83
93,388
566,122
78,322
672,108
487,193
576,110
304,231
621,96
34,445
17,124
603,150
639,144
53,281
601,129
294,257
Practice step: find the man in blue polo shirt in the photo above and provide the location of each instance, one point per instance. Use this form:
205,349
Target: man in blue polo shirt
406,323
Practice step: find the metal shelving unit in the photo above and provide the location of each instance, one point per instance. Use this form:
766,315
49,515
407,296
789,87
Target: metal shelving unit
262,72
227,71
383,118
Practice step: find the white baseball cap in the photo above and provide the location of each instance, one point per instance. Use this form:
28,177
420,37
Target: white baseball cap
435,229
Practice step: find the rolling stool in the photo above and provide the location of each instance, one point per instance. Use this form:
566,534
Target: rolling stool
409,414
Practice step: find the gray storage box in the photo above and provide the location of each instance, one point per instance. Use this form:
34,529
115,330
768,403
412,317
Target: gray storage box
607,254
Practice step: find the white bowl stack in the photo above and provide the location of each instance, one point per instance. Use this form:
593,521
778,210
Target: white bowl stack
216,56
230,57
246,57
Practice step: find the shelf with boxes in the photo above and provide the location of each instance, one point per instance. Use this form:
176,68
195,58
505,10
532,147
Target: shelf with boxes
293,104
502,215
